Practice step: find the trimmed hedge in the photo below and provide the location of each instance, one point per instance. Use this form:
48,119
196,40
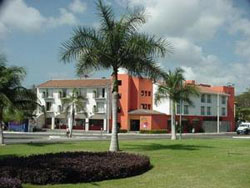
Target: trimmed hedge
122,131
73,167
10,183
160,131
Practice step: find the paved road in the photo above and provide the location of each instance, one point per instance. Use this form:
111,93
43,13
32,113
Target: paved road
53,137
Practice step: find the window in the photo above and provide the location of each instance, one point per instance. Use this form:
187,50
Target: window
223,111
45,94
208,110
143,106
149,106
186,109
48,106
50,93
83,92
142,93
203,98
100,107
119,82
178,109
60,94
202,110
149,93
59,108
103,92
208,98
64,93
99,93
223,100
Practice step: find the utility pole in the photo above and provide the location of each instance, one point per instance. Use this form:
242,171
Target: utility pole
218,113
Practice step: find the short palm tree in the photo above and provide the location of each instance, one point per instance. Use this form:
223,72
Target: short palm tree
71,105
174,88
115,44
14,97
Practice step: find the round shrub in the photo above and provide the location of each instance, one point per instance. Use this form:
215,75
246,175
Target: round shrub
10,183
73,167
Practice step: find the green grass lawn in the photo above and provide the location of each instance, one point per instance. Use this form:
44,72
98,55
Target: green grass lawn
187,163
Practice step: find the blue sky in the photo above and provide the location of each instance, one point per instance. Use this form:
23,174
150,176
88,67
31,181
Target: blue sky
211,39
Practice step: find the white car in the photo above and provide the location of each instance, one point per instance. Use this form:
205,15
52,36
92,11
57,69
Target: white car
244,128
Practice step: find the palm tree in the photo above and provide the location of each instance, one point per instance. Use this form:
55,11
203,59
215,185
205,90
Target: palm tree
71,105
14,97
173,88
115,44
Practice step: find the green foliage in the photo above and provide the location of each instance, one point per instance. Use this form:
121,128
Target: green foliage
173,87
160,131
115,44
243,106
122,131
15,100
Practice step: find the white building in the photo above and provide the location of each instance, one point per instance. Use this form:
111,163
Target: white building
96,112
213,108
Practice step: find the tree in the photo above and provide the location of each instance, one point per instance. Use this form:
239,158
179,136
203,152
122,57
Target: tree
71,105
14,98
243,106
115,44
174,88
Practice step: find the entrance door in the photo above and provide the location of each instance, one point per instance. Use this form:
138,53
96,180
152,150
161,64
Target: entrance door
134,125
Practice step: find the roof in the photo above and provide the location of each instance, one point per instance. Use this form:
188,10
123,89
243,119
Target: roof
145,112
75,83
211,90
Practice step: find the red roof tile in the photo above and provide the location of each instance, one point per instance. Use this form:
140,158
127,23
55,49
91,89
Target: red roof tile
75,83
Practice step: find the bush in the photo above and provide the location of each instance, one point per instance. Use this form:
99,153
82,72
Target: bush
10,183
73,167
123,131
160,131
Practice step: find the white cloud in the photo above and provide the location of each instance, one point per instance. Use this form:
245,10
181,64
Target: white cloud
193,19
77,6
243,48
65,18
17,15
209,68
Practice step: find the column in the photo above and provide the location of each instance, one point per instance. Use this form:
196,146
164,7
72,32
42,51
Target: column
69,122
104,124
53,123
87,124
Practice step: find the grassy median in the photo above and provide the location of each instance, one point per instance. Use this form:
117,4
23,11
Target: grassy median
186,163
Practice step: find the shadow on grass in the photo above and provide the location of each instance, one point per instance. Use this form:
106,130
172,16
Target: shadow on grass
7,156
47,144
153,147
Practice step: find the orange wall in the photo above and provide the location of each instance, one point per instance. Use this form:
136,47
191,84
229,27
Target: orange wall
131,98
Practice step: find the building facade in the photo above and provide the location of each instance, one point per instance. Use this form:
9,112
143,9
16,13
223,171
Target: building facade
212,110
95,114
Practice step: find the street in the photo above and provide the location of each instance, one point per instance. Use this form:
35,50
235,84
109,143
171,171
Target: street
53,137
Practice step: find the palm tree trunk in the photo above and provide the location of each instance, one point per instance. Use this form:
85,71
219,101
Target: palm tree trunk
1,129
114,144
72,122
173,131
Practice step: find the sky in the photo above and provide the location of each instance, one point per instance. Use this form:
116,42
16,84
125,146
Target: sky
210,40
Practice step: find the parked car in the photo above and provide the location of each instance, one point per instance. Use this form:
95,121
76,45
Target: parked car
244,128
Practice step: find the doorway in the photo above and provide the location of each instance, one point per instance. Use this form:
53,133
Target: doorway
134,125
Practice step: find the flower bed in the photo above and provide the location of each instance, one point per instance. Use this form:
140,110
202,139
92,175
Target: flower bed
73,167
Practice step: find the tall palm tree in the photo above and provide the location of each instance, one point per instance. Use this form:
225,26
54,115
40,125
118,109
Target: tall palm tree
13,97
174,88
71,105
115,44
